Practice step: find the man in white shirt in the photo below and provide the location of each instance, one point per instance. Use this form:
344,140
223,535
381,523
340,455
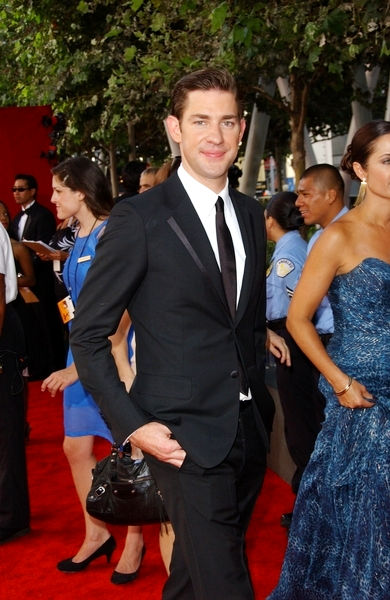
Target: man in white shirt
14,501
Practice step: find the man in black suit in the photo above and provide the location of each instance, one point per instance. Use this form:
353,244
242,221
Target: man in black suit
198,407
36,222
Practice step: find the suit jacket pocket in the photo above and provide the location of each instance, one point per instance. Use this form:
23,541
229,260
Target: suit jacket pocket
167,386
162,397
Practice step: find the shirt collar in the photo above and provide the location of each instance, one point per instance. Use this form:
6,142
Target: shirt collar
342,212
201,196
24,208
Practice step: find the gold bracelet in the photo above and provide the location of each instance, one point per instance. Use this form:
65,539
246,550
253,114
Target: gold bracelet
341,392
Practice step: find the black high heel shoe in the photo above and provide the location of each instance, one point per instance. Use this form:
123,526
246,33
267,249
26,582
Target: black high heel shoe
119,578
68,566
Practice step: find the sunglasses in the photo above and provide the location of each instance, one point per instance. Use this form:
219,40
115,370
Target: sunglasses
20,189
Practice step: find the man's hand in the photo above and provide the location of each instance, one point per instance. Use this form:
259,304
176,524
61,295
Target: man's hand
278,347
155,439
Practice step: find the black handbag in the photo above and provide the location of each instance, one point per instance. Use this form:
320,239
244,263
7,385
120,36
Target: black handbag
123,492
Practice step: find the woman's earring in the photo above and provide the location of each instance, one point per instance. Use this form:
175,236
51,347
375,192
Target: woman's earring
362,192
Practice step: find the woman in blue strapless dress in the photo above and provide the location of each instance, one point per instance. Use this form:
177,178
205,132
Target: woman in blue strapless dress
80,189
339,542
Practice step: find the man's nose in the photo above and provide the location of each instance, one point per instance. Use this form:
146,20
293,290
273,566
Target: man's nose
214,133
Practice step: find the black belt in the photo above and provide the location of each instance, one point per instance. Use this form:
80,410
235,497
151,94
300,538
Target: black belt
325,338
244,404
277,324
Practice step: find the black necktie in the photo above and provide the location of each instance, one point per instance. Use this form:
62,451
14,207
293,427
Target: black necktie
226,257
228,270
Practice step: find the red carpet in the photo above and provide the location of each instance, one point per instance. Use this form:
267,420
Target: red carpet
28,565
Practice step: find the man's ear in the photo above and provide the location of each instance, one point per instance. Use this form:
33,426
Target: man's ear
173,126
331,195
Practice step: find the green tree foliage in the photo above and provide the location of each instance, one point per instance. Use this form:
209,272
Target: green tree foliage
103,63
108,63
316,45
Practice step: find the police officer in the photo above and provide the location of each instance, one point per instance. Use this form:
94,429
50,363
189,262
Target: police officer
296,384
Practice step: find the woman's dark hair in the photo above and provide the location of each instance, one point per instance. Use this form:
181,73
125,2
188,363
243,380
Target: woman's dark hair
282,208
3,204
362,145
82,175
131,175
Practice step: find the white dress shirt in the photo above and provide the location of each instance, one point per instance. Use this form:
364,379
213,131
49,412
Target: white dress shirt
203,200
23,220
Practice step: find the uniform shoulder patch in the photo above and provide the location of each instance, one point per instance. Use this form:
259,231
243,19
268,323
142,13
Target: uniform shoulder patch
284,267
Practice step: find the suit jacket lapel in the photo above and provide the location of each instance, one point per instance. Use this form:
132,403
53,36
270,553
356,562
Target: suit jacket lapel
186,224
248,238
26,226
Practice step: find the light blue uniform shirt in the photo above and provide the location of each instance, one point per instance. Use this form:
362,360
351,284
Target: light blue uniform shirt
323,318
283,273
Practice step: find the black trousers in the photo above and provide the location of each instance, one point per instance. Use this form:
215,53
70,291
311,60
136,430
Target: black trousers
14,500
303,406
210,510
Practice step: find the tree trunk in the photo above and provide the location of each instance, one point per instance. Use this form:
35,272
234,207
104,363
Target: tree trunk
298,108
387,113
131,140
295,92
279,167
365,81
255,144
113,170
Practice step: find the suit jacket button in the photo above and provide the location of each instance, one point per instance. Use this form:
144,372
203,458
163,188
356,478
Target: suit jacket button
234,374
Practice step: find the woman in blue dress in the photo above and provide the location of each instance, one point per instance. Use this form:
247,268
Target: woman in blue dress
339,543
80,190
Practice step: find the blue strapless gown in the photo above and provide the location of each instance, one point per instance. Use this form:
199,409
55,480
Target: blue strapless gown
339,542
81,414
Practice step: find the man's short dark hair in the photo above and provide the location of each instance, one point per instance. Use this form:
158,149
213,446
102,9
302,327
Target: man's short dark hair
326,176
32,183
209,78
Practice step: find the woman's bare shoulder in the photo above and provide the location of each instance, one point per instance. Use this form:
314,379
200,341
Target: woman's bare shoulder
335,233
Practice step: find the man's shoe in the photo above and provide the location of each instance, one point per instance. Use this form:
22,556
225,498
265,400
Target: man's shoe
285,520
6,535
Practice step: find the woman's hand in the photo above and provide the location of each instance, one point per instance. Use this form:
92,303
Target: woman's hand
59,380
278,347
54,255
357,396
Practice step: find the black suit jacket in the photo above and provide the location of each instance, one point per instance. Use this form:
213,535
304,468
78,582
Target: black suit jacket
155,260
40,224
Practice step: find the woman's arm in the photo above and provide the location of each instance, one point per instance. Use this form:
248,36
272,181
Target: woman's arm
323,264
120,351
59,380
22,255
